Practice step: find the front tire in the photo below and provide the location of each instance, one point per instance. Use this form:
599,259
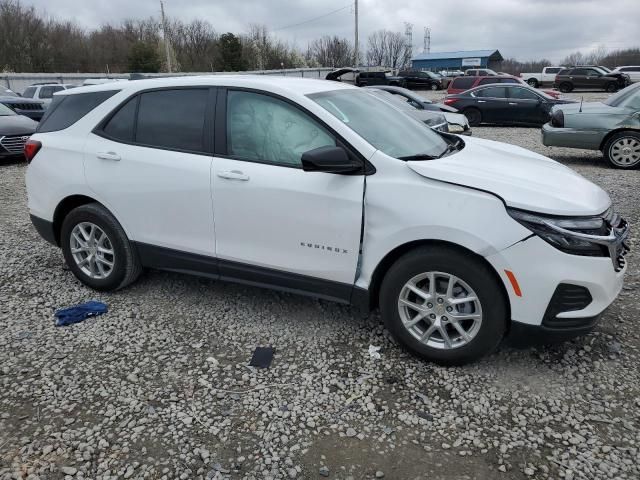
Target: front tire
622,150
434,86
611,87
443,305
474,116
97,250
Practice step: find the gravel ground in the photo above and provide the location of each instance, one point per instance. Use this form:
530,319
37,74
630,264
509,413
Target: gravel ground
160,388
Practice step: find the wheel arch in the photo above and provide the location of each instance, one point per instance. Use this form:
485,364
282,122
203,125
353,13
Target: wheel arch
608,136
390,258
64,207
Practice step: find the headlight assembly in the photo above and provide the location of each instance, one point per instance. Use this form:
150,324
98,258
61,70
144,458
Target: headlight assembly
599,236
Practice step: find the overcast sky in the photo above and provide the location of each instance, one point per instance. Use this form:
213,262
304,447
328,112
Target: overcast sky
525,29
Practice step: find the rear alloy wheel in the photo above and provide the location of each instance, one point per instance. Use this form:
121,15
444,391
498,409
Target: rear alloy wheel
565,87
533,82
474,116
443,305
97,249
611,87
622,150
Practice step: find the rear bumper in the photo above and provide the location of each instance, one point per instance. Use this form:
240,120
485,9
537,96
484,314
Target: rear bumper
45,229
572,138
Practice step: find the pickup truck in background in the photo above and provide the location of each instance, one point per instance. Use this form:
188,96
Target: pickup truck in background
546,78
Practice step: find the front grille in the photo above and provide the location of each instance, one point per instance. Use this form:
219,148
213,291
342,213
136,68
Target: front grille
14,143
567,298
26,106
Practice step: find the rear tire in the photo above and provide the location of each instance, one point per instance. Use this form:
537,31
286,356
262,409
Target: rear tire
622,150
473,115
105,265
565,87
533,82
471,279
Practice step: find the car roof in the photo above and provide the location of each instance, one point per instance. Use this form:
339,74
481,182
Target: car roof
273,83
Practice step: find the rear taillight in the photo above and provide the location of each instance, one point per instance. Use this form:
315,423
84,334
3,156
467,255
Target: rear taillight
31,148
450,101
557,119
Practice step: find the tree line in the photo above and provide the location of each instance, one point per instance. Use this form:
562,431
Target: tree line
30,42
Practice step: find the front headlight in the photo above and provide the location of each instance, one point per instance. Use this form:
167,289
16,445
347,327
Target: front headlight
601,235
455,128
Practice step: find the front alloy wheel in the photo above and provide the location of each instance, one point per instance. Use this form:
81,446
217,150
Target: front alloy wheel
443,304
440,310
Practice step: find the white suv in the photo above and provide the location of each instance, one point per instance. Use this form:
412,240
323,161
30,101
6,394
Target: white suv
320,188
44,92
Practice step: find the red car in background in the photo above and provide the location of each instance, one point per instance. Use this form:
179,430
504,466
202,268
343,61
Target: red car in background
462,84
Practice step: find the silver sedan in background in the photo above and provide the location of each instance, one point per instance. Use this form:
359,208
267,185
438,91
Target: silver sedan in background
612,126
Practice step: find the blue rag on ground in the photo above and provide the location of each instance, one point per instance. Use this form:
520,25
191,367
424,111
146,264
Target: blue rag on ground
68,316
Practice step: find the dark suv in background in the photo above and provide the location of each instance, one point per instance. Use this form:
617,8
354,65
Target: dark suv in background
366,79
591,78
421,80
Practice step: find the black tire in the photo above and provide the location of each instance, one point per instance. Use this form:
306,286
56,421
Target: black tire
467,268
565,87
434,86
533,82
615,139
473,115
126,263
611,87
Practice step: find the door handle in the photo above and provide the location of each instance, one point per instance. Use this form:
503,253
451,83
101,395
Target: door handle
482,101
512,103
108,156
234,175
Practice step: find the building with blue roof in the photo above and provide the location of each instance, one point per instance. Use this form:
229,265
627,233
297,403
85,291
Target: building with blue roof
461,60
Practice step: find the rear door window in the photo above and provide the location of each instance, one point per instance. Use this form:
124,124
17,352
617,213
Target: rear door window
492,92
48,91
65,110
173,119
487,81
522,93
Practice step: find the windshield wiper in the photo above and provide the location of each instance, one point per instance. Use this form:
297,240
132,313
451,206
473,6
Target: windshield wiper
452,147
419,156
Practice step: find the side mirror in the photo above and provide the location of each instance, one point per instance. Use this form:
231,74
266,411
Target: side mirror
329,160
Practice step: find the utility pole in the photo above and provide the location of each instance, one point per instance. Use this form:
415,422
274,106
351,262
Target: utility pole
356,49
167,47
427,40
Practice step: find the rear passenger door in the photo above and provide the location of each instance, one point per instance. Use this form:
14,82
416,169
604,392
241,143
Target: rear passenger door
150,162
493,103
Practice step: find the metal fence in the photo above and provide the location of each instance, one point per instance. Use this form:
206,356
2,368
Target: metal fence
18,82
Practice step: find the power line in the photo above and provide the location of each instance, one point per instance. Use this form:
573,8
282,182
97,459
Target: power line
312,19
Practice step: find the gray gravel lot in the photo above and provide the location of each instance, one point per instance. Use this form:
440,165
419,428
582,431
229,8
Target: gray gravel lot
160,388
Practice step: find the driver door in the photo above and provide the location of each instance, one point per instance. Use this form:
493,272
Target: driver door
275,223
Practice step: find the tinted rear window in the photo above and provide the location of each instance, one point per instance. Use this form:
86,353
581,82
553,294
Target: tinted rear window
463,82
65,110
172,119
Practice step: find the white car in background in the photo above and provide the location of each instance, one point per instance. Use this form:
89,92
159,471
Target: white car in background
44,92
322,189
632,70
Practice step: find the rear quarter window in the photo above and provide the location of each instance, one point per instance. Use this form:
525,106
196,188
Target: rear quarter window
65,110
463,82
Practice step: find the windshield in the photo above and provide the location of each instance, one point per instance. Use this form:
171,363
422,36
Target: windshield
5,111
383,126
627,97
8,93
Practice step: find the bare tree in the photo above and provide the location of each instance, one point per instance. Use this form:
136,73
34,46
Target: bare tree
331,51
377,48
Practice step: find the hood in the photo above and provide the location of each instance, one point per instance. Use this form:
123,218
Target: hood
7,99
592,108
523,179
16,125
338,73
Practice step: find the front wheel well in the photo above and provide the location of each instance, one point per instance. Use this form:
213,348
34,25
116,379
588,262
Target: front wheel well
614,132
63,209
391,257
